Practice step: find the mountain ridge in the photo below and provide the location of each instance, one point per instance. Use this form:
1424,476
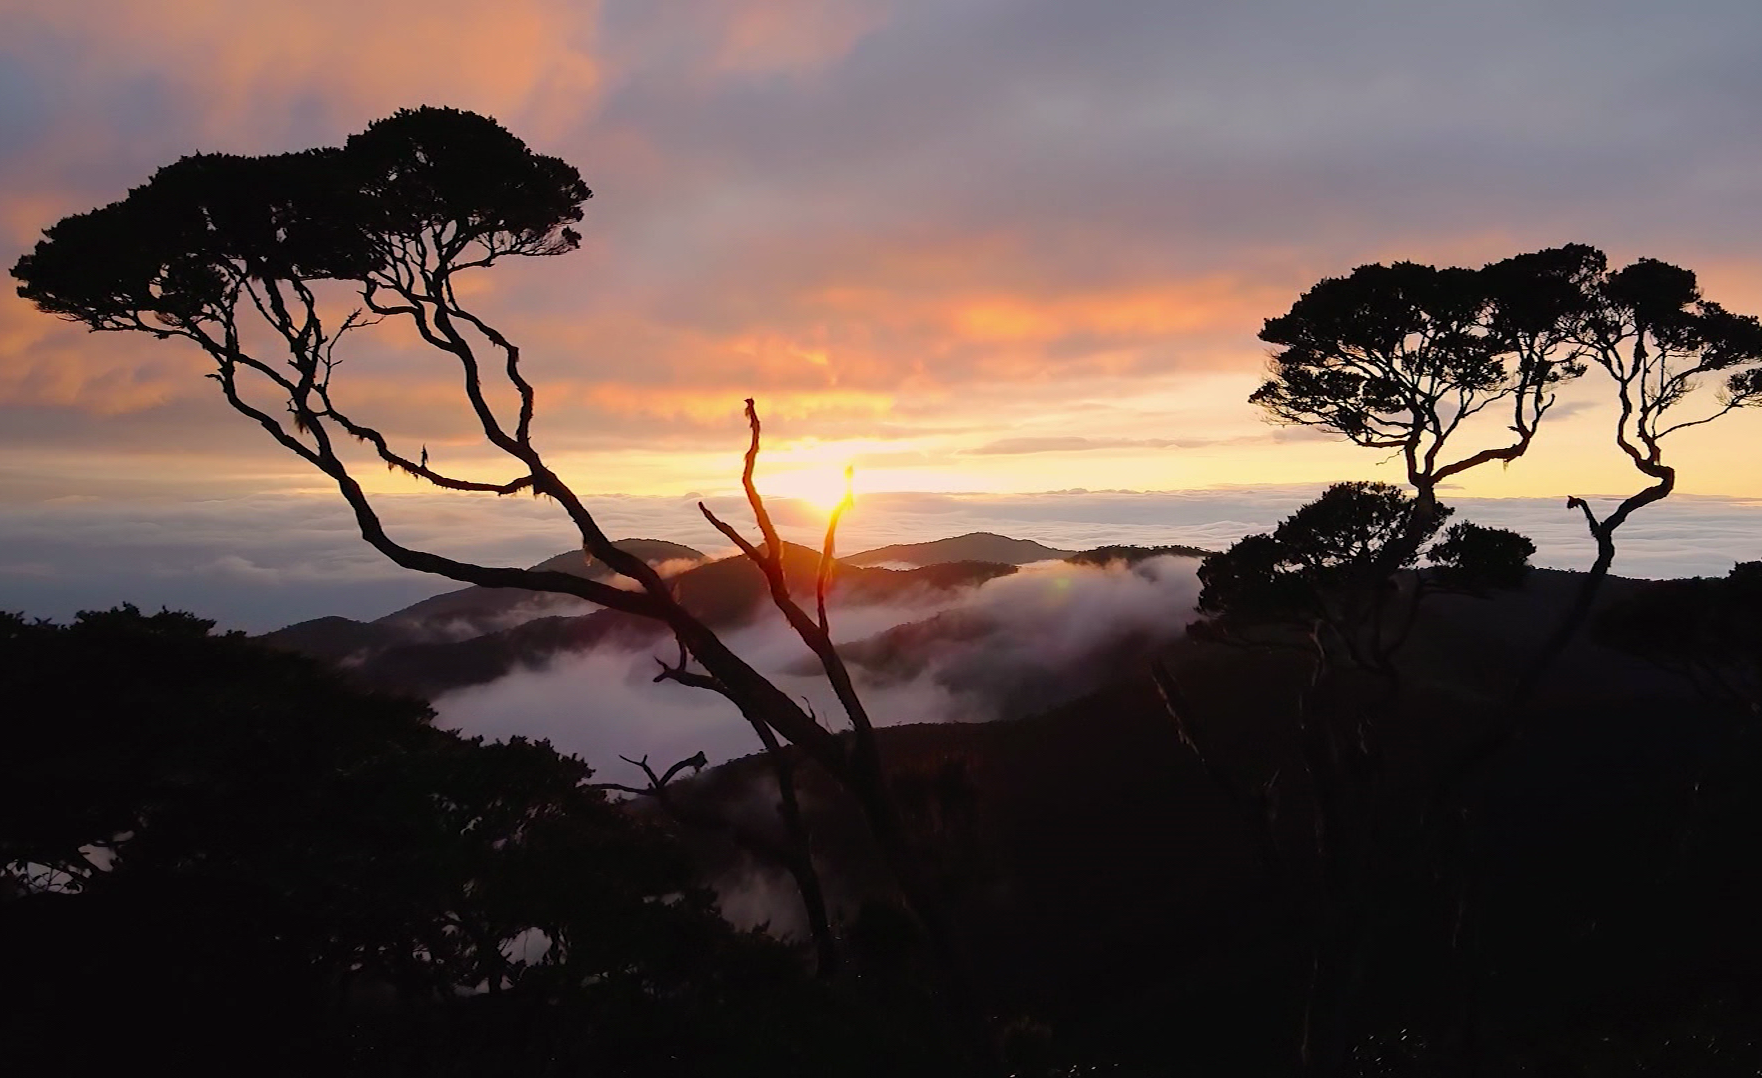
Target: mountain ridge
973,546
723,592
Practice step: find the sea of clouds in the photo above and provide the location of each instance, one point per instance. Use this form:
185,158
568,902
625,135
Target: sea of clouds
1038,637
261,562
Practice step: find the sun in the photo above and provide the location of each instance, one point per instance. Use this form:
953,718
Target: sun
822,486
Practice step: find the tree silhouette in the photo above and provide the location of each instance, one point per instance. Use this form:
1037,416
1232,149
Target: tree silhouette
1331,569
243,257
1328,571
1401,357
1559,312
1476,559
1657,338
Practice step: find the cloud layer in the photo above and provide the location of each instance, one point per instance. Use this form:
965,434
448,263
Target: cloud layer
265,560
943,238
1046,628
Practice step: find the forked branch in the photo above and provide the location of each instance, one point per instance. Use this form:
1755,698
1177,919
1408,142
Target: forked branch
814,632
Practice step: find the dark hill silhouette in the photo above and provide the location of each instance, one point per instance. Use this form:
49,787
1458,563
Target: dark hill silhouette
1132,555
974,546
473,611
407,652
462,613
469,613
724,593
1086,845
331,639
1107,884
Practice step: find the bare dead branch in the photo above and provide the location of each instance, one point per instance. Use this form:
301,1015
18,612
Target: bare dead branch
654,782
680,672
1258,810
773,545
826,550
621,788
696,762
733,536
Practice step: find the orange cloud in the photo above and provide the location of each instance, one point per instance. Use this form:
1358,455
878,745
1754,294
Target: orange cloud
1154,310
715,404
790,35
44,361
519,59
888,273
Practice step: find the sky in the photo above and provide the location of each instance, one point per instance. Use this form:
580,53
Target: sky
983,251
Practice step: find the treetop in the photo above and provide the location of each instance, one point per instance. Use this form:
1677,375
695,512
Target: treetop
429,187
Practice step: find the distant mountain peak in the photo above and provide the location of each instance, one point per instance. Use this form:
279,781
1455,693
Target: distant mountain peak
973,546
469,612
653,551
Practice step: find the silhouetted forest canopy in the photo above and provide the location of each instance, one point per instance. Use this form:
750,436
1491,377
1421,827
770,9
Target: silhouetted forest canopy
222,854
1387,801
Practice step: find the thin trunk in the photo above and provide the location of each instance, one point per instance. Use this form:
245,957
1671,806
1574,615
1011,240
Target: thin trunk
1570,623
800,861
1336,979
813,901
1422,523
925,899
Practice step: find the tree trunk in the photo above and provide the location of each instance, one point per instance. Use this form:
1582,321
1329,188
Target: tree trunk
1574,620
801,862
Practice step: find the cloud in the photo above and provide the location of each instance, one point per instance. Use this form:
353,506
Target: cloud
1068,444
1074,444
1046,635
909,213
205,69
260,561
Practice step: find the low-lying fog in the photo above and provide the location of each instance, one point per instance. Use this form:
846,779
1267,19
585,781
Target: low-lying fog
1037,636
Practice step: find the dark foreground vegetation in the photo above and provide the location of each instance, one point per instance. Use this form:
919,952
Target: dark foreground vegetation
218,858
224,855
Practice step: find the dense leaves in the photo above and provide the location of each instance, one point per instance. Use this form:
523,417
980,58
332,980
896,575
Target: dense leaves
428,170
1338,564
1398,357
1708,629
1475,558
177,251
1329,552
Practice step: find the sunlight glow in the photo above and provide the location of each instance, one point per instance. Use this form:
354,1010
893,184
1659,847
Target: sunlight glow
823,487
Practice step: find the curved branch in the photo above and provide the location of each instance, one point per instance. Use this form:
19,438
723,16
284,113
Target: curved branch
773,545
770,562
523,427
823,577
418,468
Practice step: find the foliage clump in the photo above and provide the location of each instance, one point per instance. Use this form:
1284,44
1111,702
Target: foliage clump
1333,560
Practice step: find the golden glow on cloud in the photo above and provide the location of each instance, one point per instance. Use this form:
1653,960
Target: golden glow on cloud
821,487
525,57
1132,311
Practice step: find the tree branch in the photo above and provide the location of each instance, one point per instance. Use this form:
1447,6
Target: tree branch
825,573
